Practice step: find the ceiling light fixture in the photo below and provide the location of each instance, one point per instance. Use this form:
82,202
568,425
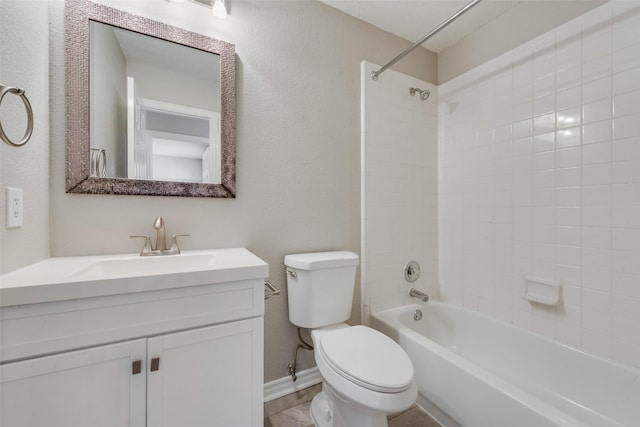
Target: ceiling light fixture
219,9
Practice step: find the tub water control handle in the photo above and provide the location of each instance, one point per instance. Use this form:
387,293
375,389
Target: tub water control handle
412,271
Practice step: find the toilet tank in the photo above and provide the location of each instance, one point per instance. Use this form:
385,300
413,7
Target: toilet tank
320,287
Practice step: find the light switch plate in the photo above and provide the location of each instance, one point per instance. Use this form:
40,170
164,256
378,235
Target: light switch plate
15,205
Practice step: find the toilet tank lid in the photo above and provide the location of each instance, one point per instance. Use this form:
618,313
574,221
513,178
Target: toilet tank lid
320,260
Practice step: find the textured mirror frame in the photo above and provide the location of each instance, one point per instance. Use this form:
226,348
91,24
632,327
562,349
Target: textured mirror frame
78,14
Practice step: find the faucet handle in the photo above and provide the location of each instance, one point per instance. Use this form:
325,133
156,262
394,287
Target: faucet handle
147,249
174,242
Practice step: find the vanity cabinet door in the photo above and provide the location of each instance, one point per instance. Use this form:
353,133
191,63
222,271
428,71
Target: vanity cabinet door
209,376
95,387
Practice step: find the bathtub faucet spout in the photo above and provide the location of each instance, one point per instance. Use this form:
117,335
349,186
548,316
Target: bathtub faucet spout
417,294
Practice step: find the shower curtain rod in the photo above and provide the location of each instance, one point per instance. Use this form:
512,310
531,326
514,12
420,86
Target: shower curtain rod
375,74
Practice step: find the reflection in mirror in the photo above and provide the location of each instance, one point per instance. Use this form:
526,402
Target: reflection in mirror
165,101
159,114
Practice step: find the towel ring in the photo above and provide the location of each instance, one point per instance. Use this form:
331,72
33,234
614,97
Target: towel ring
27,105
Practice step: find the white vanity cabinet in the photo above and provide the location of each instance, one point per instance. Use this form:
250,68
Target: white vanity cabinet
93,387
171,357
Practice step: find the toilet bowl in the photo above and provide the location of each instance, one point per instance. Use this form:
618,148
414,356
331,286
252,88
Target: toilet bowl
366,375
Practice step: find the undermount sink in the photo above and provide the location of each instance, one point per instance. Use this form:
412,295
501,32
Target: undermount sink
148,265
64,278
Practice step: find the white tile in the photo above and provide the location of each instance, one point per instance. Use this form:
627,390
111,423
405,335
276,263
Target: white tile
569,78
596,153
599,174
626,81
545,178
626,58
625,306
568,137
568,197
625,262
543,324
569,53
544,160
544,123
597,111
569,118
626,172
543,66
596,238
596,321
596,45
544,104
596,90
624,326
568,216
625,239
523,128
626,103
568,157
627,126
568,255
595,279
543,87
596,195
544,197
596,300
626,149
568,177
568,333
596,216
569,98
597,68
626,284
626,216
625,194
544,142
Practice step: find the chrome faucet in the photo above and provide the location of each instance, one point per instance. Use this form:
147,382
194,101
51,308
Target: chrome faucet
417,294
161,241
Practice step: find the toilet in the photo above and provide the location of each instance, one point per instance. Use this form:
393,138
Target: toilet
366,375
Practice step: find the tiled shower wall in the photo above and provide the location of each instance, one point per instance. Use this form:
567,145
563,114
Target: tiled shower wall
539,174
399,188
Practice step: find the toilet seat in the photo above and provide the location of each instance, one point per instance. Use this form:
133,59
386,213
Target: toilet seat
367,358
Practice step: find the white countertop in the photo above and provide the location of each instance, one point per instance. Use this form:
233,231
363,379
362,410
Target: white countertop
64,278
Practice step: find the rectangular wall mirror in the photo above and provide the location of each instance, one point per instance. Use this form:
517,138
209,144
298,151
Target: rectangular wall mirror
150,107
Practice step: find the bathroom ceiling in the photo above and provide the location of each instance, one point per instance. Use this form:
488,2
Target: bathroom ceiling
412,19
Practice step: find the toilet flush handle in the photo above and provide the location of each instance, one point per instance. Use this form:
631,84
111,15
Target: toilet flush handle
292,273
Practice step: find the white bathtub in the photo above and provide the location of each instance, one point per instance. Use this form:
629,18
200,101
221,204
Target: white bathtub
482,372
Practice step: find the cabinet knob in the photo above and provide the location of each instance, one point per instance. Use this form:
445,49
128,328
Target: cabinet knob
136,367
155,364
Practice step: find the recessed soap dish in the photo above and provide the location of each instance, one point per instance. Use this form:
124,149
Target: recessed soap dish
542,291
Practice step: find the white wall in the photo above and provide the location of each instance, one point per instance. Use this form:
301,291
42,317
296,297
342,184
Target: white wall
521,23
540,175
24,62
399,188
298,146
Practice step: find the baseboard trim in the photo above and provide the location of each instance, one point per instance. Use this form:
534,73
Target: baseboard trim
283,386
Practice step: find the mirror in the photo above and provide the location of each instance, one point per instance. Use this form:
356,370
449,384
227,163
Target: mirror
150,107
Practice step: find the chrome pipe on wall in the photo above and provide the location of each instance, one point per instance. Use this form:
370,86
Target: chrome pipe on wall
375,74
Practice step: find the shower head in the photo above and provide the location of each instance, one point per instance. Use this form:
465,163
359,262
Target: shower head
424,93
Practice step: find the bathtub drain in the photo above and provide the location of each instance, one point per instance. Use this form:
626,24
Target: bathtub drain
417,315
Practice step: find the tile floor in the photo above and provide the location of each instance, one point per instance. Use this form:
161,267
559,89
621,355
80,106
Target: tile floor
293,411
